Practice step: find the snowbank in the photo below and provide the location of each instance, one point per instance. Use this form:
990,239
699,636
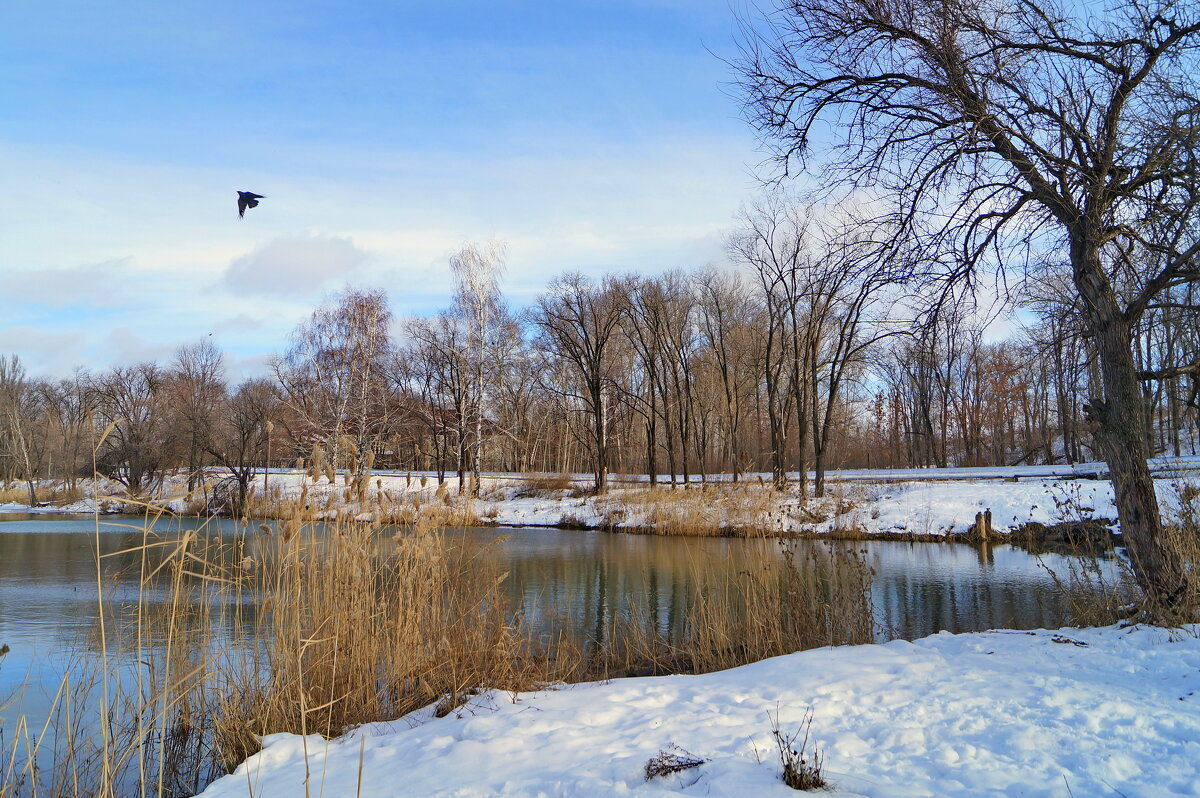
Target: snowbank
1067,713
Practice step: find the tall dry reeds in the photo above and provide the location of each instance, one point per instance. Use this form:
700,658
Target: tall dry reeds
360,627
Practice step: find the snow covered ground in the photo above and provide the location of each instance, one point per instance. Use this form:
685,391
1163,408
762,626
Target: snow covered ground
931,506
1071,713
920,508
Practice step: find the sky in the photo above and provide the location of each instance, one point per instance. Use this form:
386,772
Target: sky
589,136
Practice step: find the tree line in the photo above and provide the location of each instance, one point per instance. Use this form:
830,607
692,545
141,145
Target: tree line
814,348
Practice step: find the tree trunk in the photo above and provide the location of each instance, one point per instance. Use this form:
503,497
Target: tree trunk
601,430
1120,420
651,448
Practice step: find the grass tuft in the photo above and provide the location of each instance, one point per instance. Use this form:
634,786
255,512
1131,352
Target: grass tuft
801,766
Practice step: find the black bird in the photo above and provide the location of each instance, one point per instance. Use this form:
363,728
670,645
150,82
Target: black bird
247,199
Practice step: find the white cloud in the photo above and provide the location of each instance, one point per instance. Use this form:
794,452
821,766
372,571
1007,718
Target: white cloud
294,265
97,285
242,322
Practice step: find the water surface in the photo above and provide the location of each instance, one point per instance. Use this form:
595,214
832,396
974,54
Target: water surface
48,582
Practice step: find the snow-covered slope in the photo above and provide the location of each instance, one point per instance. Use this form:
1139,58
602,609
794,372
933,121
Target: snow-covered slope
1068,713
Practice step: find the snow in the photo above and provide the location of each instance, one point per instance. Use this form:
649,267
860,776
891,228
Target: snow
1069,713
922,508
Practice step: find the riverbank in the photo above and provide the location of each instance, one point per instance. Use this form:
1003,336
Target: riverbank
854,508
1071,712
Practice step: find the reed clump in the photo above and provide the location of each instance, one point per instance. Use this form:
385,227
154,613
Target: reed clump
368,503
47,491
361,628
703,511
787,604
14,493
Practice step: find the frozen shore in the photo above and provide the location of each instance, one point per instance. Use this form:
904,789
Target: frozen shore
1048,713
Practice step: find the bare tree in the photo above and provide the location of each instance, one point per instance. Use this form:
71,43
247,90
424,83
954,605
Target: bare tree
773,242
436,359
20,439
577,321
69,409
131,402
846,301
197,386
334,376
1010,130
240,437
726,310
645,329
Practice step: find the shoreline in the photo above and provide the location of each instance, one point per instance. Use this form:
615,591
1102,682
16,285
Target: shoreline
1037,511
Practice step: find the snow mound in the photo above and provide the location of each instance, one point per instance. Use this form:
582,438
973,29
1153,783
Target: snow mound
1046,713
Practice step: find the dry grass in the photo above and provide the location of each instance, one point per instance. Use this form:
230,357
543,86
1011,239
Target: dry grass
541,486
801,766
62,493
782,606
379,506
671,760
47,492
361,629
723,509
705,510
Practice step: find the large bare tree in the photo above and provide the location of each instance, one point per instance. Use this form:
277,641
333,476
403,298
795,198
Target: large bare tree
1006,130
197,386
20,441
239,438
132,402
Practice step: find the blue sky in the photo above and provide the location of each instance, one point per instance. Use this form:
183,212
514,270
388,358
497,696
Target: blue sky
591,136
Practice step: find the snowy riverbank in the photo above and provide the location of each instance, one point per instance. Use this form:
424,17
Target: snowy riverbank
1069,713
859,503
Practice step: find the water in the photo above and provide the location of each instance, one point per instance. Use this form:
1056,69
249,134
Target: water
48,584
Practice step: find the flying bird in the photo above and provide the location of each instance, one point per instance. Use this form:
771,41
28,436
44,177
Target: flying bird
247,199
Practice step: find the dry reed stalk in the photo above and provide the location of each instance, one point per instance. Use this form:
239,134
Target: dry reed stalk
543,486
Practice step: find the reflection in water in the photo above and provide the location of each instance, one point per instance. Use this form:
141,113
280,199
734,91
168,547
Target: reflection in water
588,578
557,580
